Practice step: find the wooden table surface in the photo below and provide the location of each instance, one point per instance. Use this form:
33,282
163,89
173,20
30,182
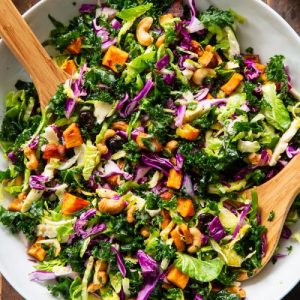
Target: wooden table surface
289,9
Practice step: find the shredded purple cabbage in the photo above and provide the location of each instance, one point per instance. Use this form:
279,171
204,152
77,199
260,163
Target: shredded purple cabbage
291,151
154,161
127,107
151,274
86,8
120,262
252,72
42,276
163,62
79,226
115,24
216,230
180,115
263,244
187,185
141,172
242,218
37,182
12,157
111,168
198,297
286,233
70,106
169,78
34,143
201,95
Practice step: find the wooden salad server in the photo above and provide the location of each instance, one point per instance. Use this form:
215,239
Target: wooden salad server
22,42
276,196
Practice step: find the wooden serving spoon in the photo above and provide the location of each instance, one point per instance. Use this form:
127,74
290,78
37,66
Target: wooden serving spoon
18,36
276,196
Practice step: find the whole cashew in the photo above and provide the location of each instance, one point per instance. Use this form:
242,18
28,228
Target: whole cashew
33,163
111,206
100,276
120,125
171,146
102,148
160,40
201,74
130,214
142,34
197,237
145,233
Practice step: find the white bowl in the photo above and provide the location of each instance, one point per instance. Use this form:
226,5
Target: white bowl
265,30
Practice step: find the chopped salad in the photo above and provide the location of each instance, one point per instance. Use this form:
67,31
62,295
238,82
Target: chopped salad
129,184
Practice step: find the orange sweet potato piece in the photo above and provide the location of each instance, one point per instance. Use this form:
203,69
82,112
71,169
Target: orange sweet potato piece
208,59
166,218
72,136
167,195
70,67
174,179
72,204
36,250
188,132
176,277
261,67
185,207
114,57
75,46
17,203
54,151
232,84
179,243
196,47
140,140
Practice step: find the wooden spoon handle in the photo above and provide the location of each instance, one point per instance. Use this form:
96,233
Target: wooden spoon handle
23,43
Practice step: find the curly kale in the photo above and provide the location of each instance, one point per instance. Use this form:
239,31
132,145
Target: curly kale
217,17
23,222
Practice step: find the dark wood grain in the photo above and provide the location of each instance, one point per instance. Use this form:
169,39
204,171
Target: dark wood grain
289,9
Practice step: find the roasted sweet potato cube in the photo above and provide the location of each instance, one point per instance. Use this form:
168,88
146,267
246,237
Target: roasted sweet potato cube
166,218
176,277
54,151
36,250
114,57
75,46
72,204
174,179
179,243
17,203
184,229
70,67
72,136
152,145
232,84
185,207
188,132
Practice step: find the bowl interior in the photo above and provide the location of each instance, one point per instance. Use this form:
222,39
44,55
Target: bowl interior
264,30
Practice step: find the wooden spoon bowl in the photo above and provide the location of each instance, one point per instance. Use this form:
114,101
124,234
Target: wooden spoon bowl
276,196
18,36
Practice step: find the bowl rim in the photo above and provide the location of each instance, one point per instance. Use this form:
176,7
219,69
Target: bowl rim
29,12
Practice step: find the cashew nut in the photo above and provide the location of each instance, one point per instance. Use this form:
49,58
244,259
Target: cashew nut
197,238
102,148
142,34
111,206
145,233
165,19
130,214
201,74
171,146
160,40
100,276
33,163
120,125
